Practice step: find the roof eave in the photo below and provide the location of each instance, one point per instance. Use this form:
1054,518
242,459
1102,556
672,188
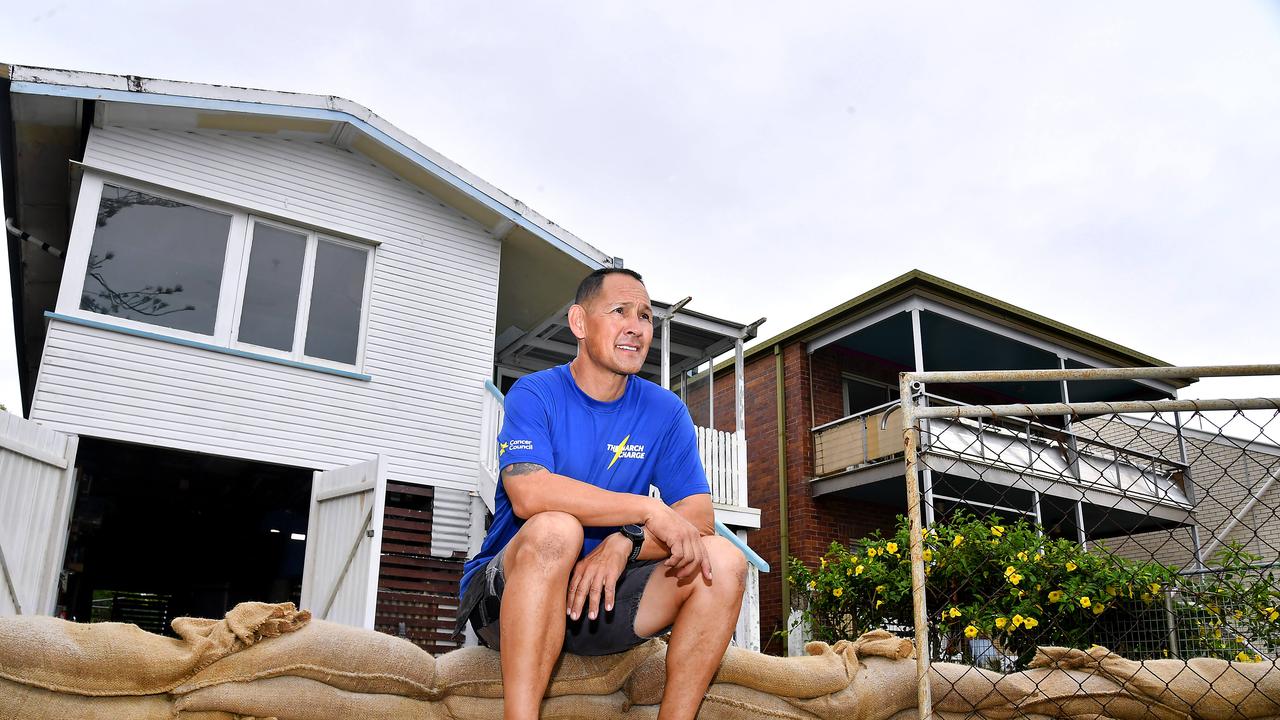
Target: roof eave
918,279
172,93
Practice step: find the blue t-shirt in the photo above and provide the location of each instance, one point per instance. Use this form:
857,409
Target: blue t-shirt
644,437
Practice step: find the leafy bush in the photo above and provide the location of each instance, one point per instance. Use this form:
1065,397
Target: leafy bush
985,579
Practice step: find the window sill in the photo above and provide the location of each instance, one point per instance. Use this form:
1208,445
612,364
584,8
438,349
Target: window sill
73,320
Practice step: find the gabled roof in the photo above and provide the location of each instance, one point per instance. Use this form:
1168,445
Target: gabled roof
286,107
917,281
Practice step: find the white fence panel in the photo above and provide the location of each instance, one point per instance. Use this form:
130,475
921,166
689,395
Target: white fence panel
37,487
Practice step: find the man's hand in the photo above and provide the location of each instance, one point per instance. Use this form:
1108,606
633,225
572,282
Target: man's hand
682,539
597,575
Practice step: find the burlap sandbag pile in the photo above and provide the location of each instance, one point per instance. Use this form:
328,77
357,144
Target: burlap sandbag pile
273,661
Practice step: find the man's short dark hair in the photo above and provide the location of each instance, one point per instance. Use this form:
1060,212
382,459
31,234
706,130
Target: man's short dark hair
590,285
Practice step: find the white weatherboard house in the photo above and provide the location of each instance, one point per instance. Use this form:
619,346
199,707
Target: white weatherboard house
262,339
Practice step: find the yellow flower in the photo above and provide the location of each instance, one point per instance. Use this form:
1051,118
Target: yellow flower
858,570
1272,614
1015,579
892,548
1022,555
879,603
879,588
1155,588
1030,622
927,555
848,571
1055,596
812,584
1018,620
1257,657
1071,567
1146,597
837,592
1240,640
1099,608
997,530
959,539
1085,601
1243,656
1001,622
971,632
823,561
1217,633
994,542
871,552
954,612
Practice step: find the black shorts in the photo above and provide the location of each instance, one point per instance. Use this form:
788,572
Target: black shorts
611,632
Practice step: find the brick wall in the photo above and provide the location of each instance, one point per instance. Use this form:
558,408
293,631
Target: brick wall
813,523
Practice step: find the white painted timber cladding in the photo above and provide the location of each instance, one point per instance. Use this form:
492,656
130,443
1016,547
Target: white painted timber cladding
36,492
430,327
344,534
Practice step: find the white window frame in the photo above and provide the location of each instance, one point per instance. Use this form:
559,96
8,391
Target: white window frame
303,314
234,272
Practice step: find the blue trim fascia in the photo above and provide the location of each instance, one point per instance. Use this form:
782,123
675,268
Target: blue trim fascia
187,101
752,556
204,346
488,385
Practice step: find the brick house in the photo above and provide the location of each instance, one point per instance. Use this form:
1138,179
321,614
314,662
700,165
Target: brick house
835,375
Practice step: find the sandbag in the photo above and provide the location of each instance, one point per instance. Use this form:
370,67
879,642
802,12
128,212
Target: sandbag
295,698
966,689
26,702
347,658
822,671
477,672
734,702
563,707
1204,687
111,659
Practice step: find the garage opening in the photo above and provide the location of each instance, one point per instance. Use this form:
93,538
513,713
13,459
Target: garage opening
157,534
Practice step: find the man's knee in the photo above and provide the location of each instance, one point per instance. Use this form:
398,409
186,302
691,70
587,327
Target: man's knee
548,541
728,564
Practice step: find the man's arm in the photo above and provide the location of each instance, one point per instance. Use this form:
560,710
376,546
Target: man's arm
533,489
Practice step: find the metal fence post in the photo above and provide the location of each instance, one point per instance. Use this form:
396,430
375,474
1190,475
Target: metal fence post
910,438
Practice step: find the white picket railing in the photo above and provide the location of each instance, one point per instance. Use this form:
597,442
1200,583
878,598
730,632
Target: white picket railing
491,414
724,457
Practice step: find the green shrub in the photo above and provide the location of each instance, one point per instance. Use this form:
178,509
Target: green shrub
985,579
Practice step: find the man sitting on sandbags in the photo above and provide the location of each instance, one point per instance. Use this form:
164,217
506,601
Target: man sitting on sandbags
579,557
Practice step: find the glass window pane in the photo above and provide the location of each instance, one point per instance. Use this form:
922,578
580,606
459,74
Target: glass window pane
269,313
156,260
337,293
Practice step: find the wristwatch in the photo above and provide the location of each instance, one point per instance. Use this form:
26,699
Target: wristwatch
634,533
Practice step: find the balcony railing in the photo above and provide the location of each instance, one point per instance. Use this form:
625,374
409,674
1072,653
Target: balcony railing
874,436
858,440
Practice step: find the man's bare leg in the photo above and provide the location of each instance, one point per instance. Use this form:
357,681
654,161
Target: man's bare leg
703,614
536,565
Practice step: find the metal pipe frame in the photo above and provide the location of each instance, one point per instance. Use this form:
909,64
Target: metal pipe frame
1132,373
1098,408
910,436
914,384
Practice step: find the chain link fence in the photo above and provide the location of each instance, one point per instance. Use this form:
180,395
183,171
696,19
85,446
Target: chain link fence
1150,527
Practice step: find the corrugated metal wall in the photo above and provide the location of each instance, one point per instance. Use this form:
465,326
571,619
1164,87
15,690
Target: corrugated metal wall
430,335
35,501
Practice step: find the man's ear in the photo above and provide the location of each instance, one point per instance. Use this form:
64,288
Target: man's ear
578,321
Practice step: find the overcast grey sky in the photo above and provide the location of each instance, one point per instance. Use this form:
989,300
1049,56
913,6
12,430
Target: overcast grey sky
1112,165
